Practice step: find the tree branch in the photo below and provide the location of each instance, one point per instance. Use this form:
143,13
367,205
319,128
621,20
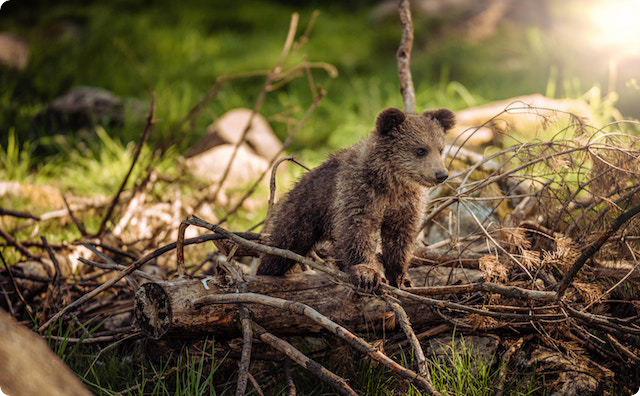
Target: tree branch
403,57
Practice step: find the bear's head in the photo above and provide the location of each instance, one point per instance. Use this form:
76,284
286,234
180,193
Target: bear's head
413,144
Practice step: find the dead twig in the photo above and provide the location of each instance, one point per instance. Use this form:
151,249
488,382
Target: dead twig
93,340
334,328
245,321
302,40
402,317
403,294
599,320
16,244
258,104
110,347
272,186
291,386
15,286
54,260
336,382
18,214
117,267
8,301
136,154
78,224
624,349
403,57
504,364
285,145
508,291
255,384
593,248
180,248
128,270
245,359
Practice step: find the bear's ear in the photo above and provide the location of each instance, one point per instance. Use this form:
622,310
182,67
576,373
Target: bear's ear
445,117
389,119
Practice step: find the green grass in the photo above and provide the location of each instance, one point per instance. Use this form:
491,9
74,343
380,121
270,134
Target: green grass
460,371
15,159
120,367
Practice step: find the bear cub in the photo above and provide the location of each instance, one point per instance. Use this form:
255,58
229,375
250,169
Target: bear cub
368,193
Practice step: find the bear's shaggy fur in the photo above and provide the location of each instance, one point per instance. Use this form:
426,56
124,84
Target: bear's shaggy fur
369,192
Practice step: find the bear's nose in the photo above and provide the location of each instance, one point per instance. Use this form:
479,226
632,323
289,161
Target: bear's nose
441,176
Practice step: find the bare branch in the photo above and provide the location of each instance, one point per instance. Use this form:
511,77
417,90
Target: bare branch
594,247
18,214
334,328
403,57
337,383
136,154
402,317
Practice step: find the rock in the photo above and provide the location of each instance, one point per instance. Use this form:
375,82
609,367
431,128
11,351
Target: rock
211,164
482,350
118,321
519,118
469,135
83,107
14,51
33,269
229,128
466,223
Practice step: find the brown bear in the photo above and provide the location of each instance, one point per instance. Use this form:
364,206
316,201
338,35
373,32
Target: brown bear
369,192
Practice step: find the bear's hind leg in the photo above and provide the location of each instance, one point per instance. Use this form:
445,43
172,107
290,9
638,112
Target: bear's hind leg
299,239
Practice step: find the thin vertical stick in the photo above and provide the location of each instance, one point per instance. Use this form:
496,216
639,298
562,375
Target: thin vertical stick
258,105
15,285
180,248
402,317
136,154
404,58
245,358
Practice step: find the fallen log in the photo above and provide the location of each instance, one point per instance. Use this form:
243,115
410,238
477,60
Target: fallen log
167,307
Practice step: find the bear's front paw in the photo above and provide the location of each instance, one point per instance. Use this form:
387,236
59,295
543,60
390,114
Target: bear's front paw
366,276
401,281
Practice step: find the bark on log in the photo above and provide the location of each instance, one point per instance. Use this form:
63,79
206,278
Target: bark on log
166,308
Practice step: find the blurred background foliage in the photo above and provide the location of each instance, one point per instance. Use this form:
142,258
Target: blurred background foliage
177,49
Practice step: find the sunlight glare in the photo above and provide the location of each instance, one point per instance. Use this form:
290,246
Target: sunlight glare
616,23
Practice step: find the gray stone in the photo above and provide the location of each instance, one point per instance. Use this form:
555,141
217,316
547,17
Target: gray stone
82,107
481,349
463,222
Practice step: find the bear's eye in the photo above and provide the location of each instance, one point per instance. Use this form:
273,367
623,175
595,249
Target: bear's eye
421,152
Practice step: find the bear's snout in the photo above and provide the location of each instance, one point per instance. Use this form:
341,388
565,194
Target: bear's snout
441,176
